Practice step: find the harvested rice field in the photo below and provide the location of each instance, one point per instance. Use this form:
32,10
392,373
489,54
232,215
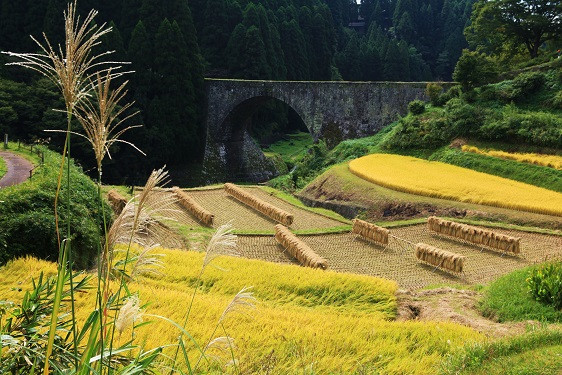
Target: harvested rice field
244,218
346,253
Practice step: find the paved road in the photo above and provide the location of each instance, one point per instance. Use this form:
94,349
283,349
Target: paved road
18,169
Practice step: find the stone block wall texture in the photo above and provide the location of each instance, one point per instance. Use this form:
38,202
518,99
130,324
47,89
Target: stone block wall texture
333,111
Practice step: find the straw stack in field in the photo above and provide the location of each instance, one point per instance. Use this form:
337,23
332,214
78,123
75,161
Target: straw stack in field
116,201
257,204
440,258
370,231
193,207
298,249
475,235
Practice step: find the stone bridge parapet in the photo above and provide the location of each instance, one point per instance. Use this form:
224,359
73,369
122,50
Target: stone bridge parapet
333,111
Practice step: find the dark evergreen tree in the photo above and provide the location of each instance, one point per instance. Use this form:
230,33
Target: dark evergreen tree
130,15
296,58
141,55
221,17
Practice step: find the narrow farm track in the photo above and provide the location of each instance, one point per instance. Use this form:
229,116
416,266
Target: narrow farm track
18,169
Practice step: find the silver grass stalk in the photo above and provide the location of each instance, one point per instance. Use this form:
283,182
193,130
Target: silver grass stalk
129,314
243,301
223,242
70,68
102,115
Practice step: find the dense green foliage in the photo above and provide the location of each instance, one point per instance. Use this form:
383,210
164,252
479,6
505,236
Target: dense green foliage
507,111
474,69
545,284
27,215
504,26
508,299
416,107
173,44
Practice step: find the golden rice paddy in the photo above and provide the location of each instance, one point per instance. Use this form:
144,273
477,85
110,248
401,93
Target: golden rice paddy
552,161
304,321
440,180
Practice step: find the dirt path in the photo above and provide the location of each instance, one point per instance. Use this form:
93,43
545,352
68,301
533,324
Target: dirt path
18,169
453,305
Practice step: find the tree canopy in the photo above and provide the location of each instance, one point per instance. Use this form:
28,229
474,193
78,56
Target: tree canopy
496,24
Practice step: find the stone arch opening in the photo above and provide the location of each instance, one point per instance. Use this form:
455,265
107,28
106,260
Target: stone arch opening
251,125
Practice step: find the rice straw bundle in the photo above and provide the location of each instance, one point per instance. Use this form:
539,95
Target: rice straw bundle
475,235
440,258
298,249
370,231
193,207
117,201
257,204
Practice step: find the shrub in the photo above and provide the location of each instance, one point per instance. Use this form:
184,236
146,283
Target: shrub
27,223
526,83
416,107
474,69
464,119
433,91
428,131
539,128
453,92
557,100
545,284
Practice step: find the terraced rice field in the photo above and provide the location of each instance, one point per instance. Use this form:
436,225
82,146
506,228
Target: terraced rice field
552,161
441,180
244,218
346,253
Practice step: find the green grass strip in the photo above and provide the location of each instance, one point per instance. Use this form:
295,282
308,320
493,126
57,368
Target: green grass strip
473,356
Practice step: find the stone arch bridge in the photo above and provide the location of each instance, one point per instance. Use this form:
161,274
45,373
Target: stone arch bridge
330,110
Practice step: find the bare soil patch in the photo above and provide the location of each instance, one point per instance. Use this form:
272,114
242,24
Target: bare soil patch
453,305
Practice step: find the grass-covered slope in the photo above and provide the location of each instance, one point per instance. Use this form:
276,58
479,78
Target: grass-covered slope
27,221
508,299
436,179
533,353
542,176
306,321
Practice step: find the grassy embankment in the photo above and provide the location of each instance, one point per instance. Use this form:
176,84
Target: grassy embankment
508,299
27,222
305,320
533,353
537,352
552,161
